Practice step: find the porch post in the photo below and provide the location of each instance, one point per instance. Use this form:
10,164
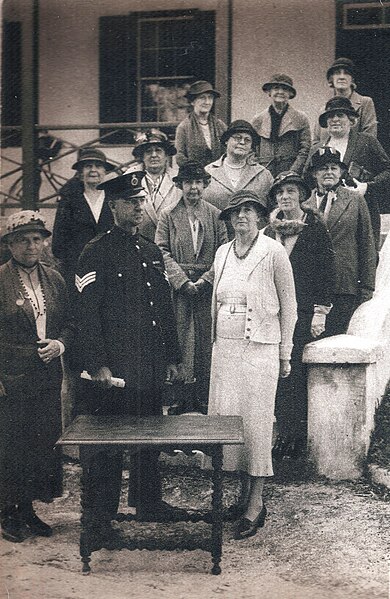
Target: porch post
31,177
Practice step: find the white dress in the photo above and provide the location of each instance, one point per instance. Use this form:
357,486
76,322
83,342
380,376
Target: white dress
244,375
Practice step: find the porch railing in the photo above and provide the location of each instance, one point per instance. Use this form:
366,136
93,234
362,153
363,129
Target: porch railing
52,172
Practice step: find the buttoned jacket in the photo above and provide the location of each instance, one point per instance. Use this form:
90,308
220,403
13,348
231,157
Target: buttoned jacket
353,241
365,152
174,238
290,151
271,311
191,144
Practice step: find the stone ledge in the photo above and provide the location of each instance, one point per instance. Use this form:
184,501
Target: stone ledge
343,349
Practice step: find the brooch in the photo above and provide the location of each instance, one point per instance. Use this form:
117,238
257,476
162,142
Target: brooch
21,299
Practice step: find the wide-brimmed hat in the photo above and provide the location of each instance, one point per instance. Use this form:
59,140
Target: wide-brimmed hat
152,137
341,63
190,170
242,197
127,186
280,79
336,104
288,177
325,155
25,221
240,126
89,154
201,87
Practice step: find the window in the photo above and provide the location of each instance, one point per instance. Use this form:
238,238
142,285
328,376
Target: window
147,62
11,96
368,15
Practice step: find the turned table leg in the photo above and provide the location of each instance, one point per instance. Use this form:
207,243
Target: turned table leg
216,531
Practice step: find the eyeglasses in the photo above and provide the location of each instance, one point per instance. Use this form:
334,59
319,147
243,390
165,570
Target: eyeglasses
245,139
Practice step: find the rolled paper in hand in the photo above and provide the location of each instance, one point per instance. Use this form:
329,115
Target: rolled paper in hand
116,382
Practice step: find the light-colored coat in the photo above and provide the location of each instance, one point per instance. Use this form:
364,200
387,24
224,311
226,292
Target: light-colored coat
254,177
167,194
271,311
183,264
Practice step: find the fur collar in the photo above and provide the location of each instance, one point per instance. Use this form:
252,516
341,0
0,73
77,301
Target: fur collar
285,227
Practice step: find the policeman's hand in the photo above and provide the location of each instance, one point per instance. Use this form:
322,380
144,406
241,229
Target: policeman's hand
317,324
172,373
50,349
2,390
103,377
189,288
285,368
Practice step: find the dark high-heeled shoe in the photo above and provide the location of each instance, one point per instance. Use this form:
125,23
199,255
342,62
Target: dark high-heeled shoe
245,528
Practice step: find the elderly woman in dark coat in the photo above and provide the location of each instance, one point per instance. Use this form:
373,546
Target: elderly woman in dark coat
303,233
35,330
198,136
82,211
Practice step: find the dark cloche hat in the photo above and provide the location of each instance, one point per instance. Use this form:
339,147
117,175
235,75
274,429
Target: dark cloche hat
129,185
25,221
149,138
336,104
89,154
190,170
242,197
288,177
325,155
341,63
201,87
240,126
280,79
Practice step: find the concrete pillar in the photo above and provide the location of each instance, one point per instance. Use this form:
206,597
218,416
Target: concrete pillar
342,382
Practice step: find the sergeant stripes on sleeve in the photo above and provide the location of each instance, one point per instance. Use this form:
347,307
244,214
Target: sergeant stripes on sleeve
87,279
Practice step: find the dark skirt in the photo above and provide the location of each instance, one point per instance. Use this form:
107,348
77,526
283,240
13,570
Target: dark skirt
30,424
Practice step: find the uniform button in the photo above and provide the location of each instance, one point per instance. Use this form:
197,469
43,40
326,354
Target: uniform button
120,274
154,323
148,284
151,303
137,246
144,264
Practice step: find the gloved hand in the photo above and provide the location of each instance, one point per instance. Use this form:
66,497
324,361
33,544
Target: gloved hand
317,324
189,288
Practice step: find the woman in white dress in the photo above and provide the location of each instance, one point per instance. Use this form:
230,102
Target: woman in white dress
254,313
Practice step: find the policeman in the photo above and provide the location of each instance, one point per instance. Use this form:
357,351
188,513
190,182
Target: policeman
127,330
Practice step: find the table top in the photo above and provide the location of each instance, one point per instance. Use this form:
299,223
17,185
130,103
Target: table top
154,430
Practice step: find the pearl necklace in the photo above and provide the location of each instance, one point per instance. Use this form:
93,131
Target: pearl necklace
243,256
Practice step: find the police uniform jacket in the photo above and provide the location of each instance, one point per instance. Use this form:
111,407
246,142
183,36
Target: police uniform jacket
124,309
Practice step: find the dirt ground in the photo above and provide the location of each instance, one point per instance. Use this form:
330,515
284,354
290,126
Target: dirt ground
320,541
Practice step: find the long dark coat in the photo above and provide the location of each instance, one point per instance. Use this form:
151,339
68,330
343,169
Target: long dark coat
312,261
75,226
30,413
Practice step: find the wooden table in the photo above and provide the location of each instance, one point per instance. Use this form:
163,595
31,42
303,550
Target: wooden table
187,432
